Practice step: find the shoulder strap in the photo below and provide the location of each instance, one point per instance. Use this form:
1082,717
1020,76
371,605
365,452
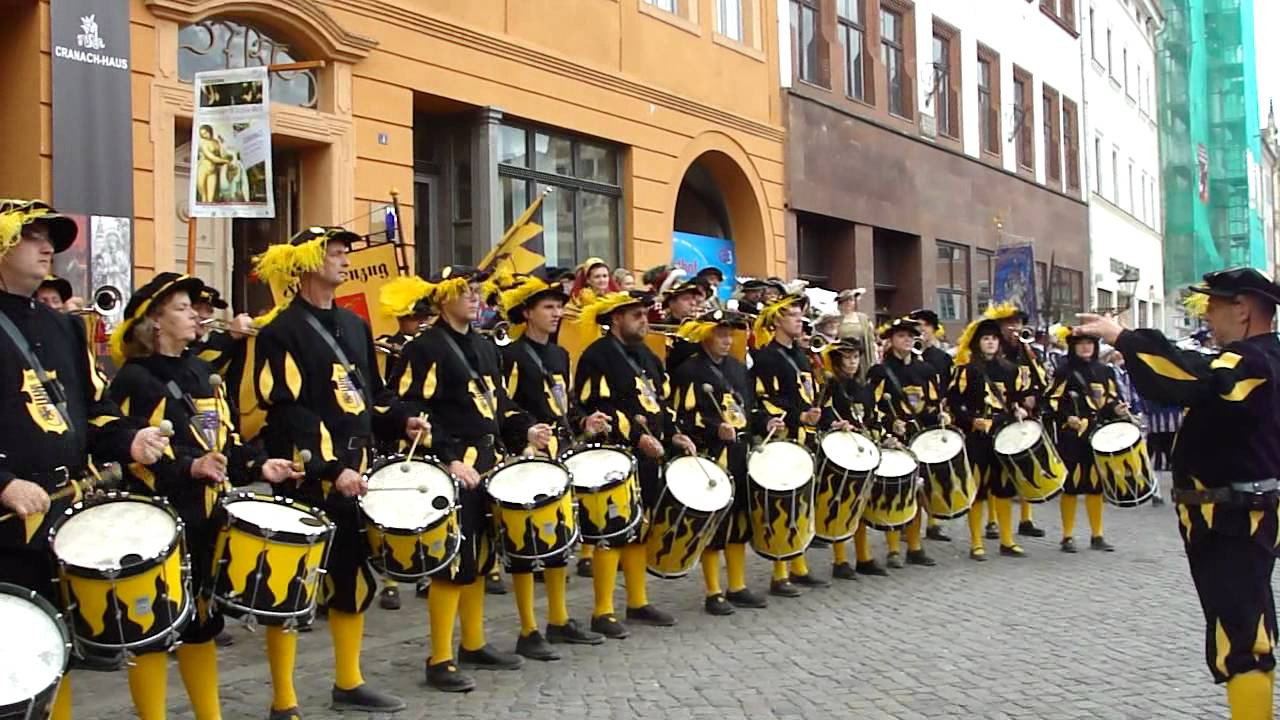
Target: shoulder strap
51,385
489,398
352,371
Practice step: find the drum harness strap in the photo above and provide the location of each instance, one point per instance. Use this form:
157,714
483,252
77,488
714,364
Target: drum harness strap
53,386
489,398
1251,494
353,372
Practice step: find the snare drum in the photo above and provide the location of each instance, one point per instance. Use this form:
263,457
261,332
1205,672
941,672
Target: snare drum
38,650
695,498
781,499
124,572
848,460
1121,462
891,504
949,486
608,493
533,517
269,557
410,518
1030,461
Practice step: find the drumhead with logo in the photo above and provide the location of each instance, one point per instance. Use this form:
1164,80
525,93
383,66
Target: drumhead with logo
599,466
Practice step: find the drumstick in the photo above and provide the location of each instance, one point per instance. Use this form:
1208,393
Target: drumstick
418,488
96,480
215,382
643,422
304,457
711,394
166,427
414,447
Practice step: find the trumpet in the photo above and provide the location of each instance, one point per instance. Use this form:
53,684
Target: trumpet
819,341
387,348
105,301
220,325
1026,336
917,347
500,334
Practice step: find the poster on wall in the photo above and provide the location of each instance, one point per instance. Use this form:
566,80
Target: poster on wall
231,145
1015,277
691,253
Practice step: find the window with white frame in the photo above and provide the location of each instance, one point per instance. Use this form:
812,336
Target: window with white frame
729,19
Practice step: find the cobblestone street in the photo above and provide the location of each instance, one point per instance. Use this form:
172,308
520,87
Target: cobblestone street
1052,636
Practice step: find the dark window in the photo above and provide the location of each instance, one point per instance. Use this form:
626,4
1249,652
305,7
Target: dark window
804,27
893,56
942,84
989,101
852,38
1067,295
1052,138
1071,134
953,282
984,268
1025,114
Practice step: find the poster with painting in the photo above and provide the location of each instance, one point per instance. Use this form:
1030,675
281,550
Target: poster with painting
1015,276
231,145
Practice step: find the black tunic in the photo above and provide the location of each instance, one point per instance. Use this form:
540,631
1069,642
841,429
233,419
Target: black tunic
905,391
1085,389
785,388
538,381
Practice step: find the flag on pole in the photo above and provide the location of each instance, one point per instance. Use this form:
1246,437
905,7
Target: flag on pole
511,254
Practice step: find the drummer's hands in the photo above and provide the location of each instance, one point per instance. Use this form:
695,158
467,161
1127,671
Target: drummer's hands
415,426
539,436
350,483
148,446
277,470
24,498
1104,327
596,423
684,442
466,474
982,425
1029,402
726,432
811,416
650,446
1074,423
210,467
899,427
842,425
776,425
944,418
1019,412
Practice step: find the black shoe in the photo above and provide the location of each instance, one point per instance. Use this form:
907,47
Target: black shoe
364,699
423,588
744,598
489,658
539,577
934,532
978,554
1157,501
389,598
1068,545
810,580
1099,543
718,605
584,567
224,639
894,560
870,568
918,557
1026,528
536,647
1012,551
784,588
572,634
287,714
493,585
609,626
650,615
993,531
844,571
447,677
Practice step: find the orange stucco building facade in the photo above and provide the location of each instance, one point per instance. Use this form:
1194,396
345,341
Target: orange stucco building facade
645,116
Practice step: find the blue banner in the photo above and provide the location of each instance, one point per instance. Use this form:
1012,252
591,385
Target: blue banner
1015,278
692,253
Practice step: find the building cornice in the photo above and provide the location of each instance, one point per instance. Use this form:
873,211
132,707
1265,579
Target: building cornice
303,20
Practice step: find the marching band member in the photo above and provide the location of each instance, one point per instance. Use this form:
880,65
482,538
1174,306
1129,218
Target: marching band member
750,294
980,394
907,400
1083,395
786,389
711,278
620,377
54,293
1225,466
683,301
712,394
848,407
930,332
157,381
316,376
537,372
454,374
55,410
226,351
1032,384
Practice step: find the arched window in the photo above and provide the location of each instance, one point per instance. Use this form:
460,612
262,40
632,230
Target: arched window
221,43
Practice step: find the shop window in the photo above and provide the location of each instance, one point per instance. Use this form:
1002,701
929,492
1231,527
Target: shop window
580,217
952,277
222,44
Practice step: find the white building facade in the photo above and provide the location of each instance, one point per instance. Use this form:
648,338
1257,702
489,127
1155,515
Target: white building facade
1122,154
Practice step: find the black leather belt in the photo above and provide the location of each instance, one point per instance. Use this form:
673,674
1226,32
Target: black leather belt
52,479
478,441
1233,493
357,443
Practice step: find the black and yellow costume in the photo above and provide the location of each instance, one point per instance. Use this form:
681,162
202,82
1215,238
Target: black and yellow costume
37,442
708,392
1084,389
979,399
1031,381
1225,465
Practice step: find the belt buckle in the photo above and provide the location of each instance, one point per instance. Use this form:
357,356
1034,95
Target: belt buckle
355,443
66,476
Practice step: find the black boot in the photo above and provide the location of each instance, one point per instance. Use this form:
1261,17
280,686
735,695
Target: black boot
718,605
844,571
286,714
1027,528
894,560
1068,545
1099,543
918,557
389,598
870,568
650,615
610,626
992,532
1014,550
744,598
934,532
584,567
573,634
809,580
493,585
489,658
536,647
446,677
364,699
784,588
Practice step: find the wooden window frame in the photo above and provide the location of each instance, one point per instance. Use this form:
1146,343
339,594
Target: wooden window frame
1071,139
904,44
857,25
1051,103
993,123
1025,147
955,79
821,76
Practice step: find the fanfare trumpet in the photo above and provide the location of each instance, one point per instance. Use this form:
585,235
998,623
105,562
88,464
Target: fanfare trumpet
1027,335
500,334
220,325
105,301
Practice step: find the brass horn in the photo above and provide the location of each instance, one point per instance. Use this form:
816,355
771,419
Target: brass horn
106,300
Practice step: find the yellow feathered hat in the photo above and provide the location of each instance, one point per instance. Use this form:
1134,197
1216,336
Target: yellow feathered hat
1005,310
839,347
902,323
18,214
1196,304
525,291
600,310
283,264
768,317
404,296
698,329
968,341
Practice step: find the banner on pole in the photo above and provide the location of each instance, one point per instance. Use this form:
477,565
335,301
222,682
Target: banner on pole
1015,277
231,145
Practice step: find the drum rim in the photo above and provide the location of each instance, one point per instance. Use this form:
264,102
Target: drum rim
284,537
1114,453
665,486
813,472
1043,438
146,564
824,459
59,621
393,459
375,558
603,487
518,460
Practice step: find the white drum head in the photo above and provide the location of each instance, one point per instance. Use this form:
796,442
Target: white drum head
597,467
526,482
851,451
699,483
275,516
937,446
98,537
780,465
895,463
1018,437
36,650
408,495
1115,437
